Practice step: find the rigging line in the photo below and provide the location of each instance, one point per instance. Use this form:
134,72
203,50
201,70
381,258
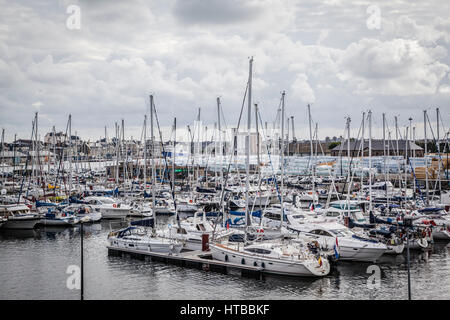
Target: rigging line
350,173
26,166
166,165
231,157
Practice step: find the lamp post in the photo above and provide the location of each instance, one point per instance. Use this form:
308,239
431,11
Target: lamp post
407,223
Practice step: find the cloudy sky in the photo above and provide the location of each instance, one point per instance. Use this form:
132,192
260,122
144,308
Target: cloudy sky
343,57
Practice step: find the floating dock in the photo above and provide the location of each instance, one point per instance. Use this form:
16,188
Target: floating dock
201,260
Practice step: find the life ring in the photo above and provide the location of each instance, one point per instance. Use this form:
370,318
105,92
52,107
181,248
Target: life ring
115,205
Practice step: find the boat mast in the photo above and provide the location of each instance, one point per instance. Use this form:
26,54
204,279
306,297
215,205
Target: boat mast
412,153
282,160
439,155
153,163
384,151
145,154
396,134
221,156
406,162
70,153
425,155
247,150
117,155
3,162
370,160
173,153
362,148
311,153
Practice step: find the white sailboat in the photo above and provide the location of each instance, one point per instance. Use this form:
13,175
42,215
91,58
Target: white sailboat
18,217
140,238
273,256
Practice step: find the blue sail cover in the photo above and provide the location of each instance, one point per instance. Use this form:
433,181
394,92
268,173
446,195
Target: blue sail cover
256,213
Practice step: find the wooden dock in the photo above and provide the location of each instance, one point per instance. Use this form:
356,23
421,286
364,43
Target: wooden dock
201,260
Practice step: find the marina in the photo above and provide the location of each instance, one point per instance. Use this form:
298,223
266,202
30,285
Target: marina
224,150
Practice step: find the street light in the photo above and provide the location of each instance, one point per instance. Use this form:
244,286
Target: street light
407,223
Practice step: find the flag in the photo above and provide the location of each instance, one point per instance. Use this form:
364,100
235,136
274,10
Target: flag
336,249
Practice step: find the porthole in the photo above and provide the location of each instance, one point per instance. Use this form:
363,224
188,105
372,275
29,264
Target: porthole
243,261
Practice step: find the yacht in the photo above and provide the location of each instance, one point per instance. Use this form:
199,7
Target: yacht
140,239
351,246
191,231
283,258
108,207
57,218
18,217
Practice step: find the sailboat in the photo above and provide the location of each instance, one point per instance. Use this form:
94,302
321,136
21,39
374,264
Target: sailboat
140,238
276,257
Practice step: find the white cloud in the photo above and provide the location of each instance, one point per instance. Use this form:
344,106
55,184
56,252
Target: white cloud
398,67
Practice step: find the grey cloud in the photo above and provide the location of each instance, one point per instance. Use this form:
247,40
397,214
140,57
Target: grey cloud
215,11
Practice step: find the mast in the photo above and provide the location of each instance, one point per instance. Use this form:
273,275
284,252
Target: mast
425,155
3,162
293,131
406,161
411,153
384,144
123,152
221,158
117,154
14,160
311,153
247,149
173,153
153,162
220,144
370,160
396,134
257,145
70,153
362,147
439,155
145,154
282,160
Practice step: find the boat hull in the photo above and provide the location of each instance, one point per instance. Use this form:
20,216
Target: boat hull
270,265
21,223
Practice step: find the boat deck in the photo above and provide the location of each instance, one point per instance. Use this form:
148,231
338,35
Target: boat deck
193,259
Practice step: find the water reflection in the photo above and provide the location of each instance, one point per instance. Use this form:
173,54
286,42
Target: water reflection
41,256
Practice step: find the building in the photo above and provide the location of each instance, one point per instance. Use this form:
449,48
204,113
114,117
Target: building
60,137
303,148
390,148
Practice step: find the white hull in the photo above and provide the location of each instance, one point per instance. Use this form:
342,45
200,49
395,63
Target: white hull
157,245
270,265
360,254
187,208
114,213
59,222
21,223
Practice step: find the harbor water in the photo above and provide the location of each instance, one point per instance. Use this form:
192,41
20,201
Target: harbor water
34,265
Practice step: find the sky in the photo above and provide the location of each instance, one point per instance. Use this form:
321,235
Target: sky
100,60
